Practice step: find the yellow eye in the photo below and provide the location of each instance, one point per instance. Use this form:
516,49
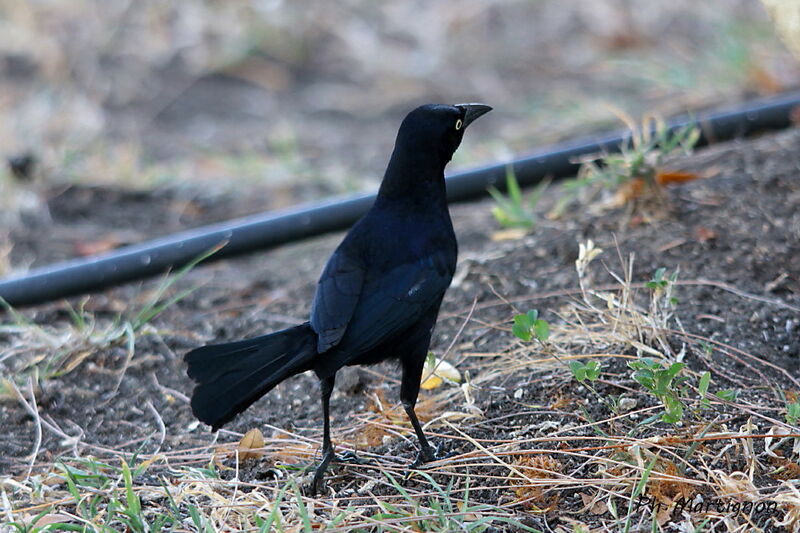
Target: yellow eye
459,123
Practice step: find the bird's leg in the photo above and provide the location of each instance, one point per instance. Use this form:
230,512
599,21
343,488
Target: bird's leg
426,451
326,385
328,454
409,390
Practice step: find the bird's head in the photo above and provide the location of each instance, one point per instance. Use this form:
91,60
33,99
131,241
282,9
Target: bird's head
439,128
427,139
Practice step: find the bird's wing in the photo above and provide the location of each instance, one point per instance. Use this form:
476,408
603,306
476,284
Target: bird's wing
399,300
336,298
393,302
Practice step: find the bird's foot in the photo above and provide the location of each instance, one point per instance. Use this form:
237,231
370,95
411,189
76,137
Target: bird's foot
315,487
427,455
319,473
347,457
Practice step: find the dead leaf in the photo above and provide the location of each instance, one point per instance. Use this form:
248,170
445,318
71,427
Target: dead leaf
434,374
784,468
673,177
252,445
53,519
431,382
635,188
536,467
592,505
510,234
373,434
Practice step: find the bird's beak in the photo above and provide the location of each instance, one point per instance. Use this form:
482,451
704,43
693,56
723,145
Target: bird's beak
473,111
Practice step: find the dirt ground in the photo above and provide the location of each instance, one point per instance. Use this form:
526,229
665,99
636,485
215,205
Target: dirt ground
140,113
733,236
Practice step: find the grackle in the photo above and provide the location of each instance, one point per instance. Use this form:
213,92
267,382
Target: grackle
377,298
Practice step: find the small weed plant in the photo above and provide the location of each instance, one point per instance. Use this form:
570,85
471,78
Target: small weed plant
515,211
793,413
618,321
642,155
583,371
529,326
636,169
664,383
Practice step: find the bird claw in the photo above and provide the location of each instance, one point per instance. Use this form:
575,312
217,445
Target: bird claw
314,488
311,490
427,455
347,457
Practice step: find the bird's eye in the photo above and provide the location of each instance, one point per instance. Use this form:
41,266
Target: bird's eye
459,123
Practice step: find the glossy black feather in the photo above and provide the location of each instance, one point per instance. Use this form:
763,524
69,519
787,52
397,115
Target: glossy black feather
230,377
337,296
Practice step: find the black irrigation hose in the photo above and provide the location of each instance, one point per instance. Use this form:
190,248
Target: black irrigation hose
268,230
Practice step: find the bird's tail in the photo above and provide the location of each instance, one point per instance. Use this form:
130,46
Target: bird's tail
230,377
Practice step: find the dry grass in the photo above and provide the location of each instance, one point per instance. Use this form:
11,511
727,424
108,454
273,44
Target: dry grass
48,351
613,466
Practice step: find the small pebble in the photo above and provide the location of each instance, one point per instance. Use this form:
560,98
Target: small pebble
627,404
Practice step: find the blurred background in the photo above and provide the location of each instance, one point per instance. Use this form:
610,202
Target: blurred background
305,97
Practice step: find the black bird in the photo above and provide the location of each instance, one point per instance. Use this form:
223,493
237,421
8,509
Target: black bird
377,298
